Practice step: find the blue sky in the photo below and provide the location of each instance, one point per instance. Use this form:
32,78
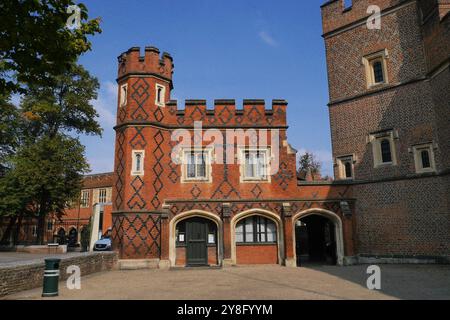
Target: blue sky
234,49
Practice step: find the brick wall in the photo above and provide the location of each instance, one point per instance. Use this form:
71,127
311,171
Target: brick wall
181,256
257,254
15,277
397,211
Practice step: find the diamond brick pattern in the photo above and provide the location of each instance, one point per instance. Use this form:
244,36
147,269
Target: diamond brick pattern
137,236
140,96
136,200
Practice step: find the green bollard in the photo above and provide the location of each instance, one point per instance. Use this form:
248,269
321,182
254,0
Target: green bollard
51,278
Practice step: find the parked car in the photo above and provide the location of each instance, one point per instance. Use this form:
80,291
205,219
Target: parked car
104,244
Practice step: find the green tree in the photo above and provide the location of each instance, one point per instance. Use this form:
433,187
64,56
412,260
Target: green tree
45,172
9,131
36,43
45,176
63,107
308,162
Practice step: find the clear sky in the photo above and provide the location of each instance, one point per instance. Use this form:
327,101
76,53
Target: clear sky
234,49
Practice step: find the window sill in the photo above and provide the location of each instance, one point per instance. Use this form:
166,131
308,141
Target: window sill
384,164
256,244
196,180
249,180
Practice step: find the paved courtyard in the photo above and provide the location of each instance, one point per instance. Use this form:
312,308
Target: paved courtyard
260,282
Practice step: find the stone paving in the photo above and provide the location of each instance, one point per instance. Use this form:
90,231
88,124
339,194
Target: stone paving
260,282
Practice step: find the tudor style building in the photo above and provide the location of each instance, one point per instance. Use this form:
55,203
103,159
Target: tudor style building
389,112
212,200
390,122
181,197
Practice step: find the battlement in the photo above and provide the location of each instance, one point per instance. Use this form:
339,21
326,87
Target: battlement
225,112
335,13
131,62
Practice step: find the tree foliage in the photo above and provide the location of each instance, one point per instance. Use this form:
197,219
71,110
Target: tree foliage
308,162
65,106
36,42
45,176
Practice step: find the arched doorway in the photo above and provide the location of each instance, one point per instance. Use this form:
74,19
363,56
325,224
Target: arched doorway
316,240
61,236
73,237
256,238
318,237
195,239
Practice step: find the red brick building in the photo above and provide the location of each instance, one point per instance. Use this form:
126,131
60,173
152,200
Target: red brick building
220,204
217,185
390,122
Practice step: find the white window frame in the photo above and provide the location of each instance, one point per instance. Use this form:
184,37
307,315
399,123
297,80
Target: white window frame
208,165
417,149
341,161
376,139
84,203
243,177
100,196
133,162
123,95
163,94
368,62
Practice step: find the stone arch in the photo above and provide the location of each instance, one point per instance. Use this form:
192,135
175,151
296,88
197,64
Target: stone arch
337,227
254,212
191,214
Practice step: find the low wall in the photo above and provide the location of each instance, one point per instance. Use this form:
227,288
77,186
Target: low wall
25,275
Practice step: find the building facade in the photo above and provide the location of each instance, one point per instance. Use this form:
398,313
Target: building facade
200,186
197,185
390,122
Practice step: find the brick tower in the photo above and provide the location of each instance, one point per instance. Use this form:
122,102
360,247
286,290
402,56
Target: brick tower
390,122
144,84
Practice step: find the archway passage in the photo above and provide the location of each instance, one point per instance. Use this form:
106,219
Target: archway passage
73,237
196,242
315,240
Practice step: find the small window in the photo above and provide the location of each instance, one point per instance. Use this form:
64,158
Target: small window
196,165
256,229
159,96
123,95
138,162
424,158
386,156
49,225
255,165
345,166
376,68
102,196
84,203
383,148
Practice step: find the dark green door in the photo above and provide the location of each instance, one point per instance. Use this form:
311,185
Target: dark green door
196,233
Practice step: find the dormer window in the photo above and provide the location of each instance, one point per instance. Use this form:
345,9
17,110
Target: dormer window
160,94
123,95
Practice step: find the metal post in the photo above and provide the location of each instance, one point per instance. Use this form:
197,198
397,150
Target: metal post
51,278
